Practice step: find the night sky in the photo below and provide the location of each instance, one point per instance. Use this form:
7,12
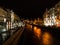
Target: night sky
28,8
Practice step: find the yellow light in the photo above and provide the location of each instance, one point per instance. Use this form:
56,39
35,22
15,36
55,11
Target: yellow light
37,32
47,39
35,28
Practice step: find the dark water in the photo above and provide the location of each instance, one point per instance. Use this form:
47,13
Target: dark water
39,37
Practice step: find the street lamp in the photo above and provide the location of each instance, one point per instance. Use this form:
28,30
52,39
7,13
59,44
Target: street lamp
4,20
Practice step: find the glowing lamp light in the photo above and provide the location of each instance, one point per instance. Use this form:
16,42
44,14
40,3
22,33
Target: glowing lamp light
4,19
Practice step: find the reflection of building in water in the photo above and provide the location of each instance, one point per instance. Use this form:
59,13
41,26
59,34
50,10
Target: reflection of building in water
52,16
37,32
46,39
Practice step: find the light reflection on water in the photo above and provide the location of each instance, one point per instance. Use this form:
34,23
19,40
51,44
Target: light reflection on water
37,32
45,37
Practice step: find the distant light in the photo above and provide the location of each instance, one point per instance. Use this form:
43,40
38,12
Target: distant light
46,24
35,28
4,19
4,29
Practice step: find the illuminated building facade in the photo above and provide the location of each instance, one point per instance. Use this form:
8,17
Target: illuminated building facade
52,16
7,19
